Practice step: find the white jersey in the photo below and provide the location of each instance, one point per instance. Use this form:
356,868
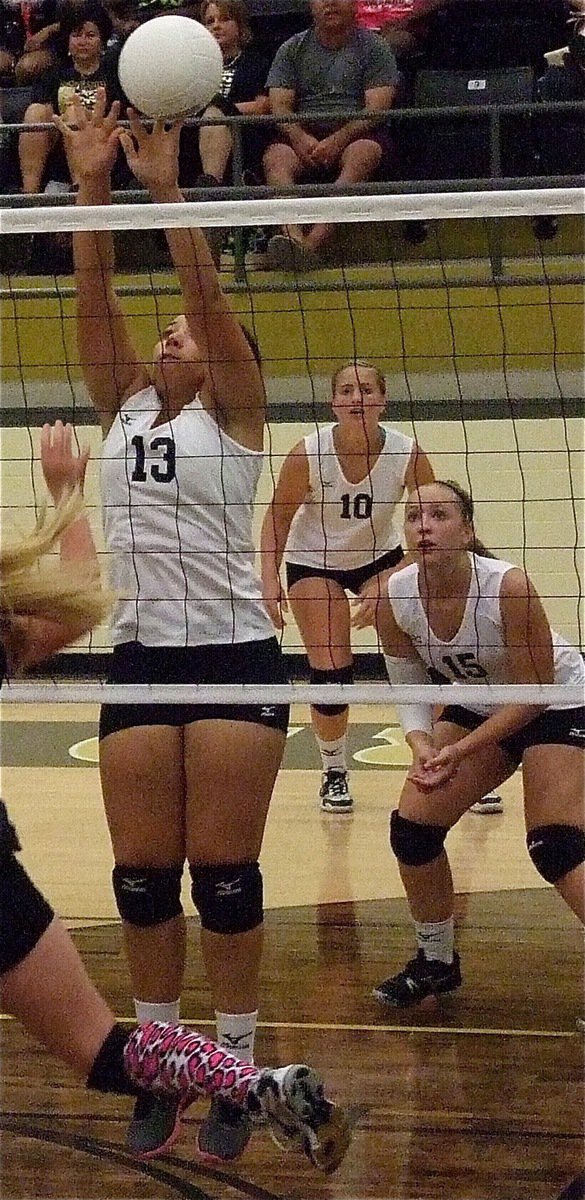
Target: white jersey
341,525
178,502
477,653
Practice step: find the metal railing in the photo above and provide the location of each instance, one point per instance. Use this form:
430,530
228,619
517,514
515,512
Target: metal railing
490,114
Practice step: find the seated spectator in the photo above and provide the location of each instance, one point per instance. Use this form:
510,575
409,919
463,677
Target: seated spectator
561,139
243,90
125,17
399,21
87,27
330,67
28,35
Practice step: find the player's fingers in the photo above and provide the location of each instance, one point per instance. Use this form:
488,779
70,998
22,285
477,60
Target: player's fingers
139,133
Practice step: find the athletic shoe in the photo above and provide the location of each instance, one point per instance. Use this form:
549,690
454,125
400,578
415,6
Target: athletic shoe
488,804
155,1125
292,1102
225,1132
334,793
421,977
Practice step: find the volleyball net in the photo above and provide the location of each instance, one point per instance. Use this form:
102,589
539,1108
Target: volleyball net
477,327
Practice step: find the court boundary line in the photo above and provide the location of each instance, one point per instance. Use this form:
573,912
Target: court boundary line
343,1027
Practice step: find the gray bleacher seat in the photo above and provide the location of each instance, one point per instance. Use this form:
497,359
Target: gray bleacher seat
14,102
458,146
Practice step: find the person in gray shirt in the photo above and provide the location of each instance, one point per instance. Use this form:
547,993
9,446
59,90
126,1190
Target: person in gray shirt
329,68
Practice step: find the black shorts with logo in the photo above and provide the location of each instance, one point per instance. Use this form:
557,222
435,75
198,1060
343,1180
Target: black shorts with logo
554,727
240,662
352,580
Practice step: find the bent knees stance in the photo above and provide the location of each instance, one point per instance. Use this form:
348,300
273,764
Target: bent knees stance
228,896
147,896
413,843
556,850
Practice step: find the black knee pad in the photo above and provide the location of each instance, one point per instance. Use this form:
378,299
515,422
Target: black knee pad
341,675
413,842
25,915
556,849
228,896
147,896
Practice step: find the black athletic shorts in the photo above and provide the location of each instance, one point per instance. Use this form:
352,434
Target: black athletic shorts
555,727
25,915
240,662
351,581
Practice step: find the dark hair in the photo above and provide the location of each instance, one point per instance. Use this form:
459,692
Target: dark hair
75,14
577,44
467,510
359,362
234,10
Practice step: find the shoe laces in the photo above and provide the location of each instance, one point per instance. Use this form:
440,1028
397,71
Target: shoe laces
336,783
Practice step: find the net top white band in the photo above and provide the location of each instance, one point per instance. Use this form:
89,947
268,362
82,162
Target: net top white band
299,209
568,695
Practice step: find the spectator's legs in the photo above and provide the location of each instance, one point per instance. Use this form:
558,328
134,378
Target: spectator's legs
282,167
6,65
34,147
32,65
215,146
358,163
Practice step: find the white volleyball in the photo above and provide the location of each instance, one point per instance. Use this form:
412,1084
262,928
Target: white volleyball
170,67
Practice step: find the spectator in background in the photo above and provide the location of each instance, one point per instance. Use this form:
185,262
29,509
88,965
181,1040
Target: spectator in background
401,22
243,90
332,66
86,27
561,140
28,40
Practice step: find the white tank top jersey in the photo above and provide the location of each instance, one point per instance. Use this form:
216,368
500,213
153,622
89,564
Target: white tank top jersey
477,653
178,502
341,526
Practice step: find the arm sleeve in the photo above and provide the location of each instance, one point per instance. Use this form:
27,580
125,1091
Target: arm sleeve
410,671
282,73
380,64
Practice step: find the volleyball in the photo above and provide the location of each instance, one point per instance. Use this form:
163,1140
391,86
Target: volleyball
170,67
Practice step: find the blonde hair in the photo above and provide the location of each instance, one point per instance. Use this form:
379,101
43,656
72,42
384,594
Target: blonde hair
63,593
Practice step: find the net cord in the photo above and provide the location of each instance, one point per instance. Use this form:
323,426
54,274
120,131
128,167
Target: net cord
297,210
568,695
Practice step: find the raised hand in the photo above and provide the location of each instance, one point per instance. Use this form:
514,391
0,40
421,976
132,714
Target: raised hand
91,138
63,465
153,155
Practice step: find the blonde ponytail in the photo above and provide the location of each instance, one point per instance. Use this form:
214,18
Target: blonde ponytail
60,593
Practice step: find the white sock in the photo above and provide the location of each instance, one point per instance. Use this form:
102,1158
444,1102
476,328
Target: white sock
436,939
147,1011
333,754
236,1032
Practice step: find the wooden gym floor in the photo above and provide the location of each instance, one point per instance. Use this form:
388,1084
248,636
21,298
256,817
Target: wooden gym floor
478,1097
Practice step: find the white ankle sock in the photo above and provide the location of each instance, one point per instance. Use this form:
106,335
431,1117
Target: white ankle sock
333,754
436,939
236,1032
147,1011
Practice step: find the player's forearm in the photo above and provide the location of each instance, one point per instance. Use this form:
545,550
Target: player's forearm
272,544
77,546
192,259
504,723
93,250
